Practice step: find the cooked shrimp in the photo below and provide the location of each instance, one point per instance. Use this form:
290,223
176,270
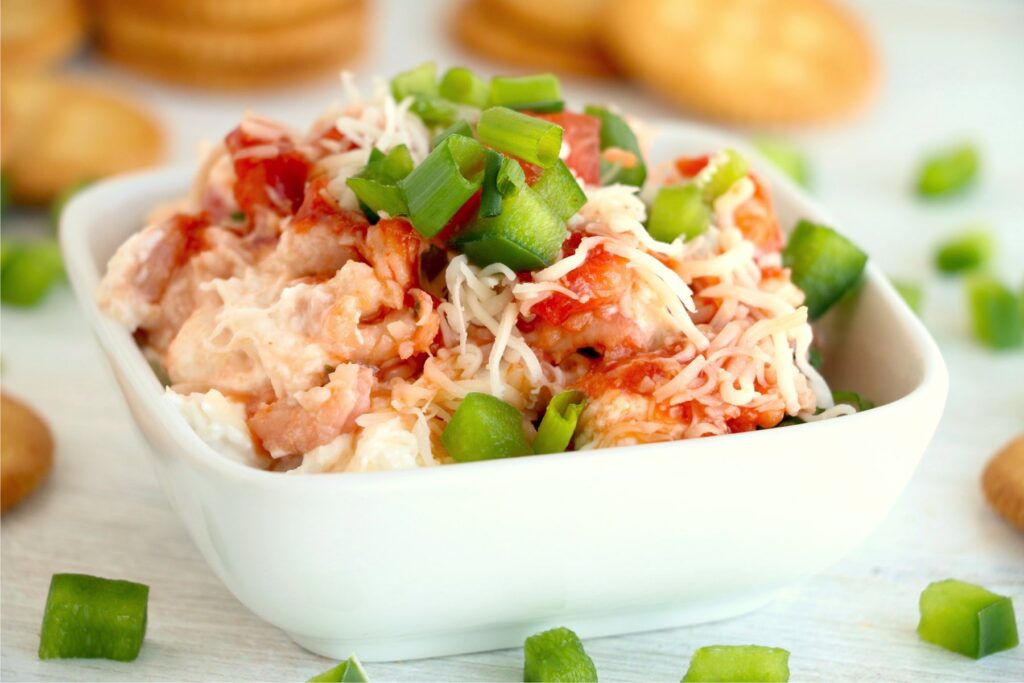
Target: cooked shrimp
308,419
322,236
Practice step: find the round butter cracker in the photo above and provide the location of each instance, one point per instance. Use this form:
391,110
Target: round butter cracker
754,61
1003,482
26,451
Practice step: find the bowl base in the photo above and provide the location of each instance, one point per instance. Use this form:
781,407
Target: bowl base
512,635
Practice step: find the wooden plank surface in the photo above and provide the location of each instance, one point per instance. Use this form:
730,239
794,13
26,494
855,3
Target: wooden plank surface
103,511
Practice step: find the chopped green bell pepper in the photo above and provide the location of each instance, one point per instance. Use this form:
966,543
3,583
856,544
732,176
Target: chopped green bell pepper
678,210
91,617
969,250
948,171
29,269
967,619
825,265
559,189
348,671
557,655
996,313
616,134
484,428
723,171
739,663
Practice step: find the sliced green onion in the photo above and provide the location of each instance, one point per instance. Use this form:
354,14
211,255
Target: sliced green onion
678,211
911,292
439,186
90,617
556,655
527,235
723,171
460,127
434,111
57,207
490,198
852,398
824,264
559,422
785,157
527,92
528,138
461,85
739,663
967,619
996,314
616,134
510,176
376,186
29,269
969,250
420,80
484,428
558,187
948,171
350,670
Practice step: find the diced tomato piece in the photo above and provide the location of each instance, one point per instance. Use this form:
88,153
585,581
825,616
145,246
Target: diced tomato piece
457,222
319,208
283,174
691,166
583,134
599,281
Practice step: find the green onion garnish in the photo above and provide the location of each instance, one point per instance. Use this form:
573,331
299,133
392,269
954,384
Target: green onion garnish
969,250
461,85
29,269
948,171
852,398
739,663
967,619
490,197
90,617
559,422
526,235
825,265
678,210
996,314
350,670
460,127
616,134
420,80
434,111
439,186
785,157
723,171
484,428
540,92
911,292
510,176
556,655
376,186
558,187
531,139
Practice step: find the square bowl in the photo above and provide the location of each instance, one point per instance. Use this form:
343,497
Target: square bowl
476,556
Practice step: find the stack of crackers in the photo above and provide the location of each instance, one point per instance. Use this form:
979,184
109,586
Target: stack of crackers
747,61
232,43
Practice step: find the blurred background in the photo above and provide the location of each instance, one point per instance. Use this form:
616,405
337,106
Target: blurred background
853,99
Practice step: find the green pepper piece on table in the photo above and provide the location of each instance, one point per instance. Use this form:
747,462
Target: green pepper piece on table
969,250
559,422
557,655
29,269
824,264
996,314
348,671
967,619
948,171
616,134
739,663
484,428
91,617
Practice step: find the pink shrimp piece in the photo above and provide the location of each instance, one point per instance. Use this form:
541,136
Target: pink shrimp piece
322,236
312,418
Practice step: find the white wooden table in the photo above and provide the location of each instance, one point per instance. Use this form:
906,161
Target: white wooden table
953,68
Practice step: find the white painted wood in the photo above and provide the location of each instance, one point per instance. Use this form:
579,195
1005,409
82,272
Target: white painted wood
953,68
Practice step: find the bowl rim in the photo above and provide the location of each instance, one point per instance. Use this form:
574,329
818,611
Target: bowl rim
78,222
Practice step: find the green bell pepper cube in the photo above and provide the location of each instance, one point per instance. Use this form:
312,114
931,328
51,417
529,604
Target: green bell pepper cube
739,663
484,428
557,655
948,171
90,617
996,313
825,265
348,671
967,619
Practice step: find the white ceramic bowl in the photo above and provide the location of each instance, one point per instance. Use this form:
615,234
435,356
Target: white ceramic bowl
477,556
